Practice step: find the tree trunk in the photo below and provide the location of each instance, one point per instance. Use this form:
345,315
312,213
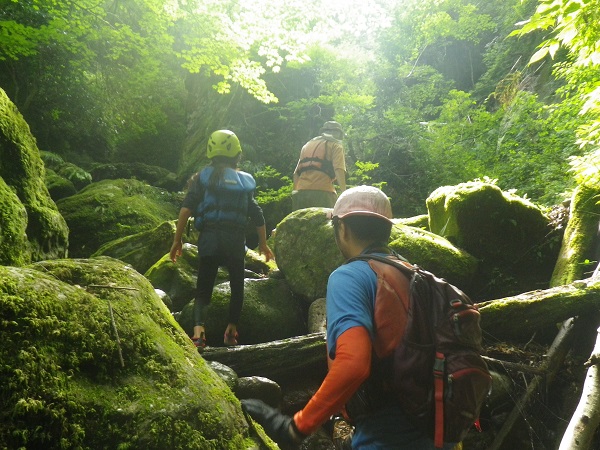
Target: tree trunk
518,318
284,360
582,427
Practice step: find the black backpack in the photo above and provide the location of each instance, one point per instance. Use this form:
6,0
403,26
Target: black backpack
435,372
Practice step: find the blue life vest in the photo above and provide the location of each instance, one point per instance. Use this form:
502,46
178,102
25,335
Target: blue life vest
225,205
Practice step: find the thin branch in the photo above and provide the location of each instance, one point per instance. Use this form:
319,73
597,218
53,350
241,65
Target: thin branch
514,366
106,286
114,327
417,61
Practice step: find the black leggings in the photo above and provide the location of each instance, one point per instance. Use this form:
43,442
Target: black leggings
208,267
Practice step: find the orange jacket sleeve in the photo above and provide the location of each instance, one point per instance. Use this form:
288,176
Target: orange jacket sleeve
350,368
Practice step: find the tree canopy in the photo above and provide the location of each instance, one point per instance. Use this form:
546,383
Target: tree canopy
430,92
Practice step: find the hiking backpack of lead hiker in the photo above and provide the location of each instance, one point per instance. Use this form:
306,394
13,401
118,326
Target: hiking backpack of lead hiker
435,372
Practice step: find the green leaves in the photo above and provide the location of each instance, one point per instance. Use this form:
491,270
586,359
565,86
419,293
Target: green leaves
16,40
575,26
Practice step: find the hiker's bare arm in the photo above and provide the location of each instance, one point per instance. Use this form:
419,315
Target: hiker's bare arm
184,215
351,366
263,248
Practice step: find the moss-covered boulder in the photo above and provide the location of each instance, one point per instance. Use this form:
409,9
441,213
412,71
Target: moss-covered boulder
420,221
21,169
58,186
178,280
91,358
143,250
306,252
509,235
112,209
435,254
153,175
13,217
255,262
580,249
270,312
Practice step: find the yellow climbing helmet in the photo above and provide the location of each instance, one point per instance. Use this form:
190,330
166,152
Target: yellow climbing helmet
223,143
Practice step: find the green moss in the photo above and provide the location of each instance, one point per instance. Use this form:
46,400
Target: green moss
178,280
421,221
22,169
510,236
576,259
13,217
63,382
485,221
141,250
306,251
58,187
257,264
435,254
270,312
112,209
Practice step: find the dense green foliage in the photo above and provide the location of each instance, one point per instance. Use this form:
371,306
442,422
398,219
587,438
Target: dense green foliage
440,92
575,25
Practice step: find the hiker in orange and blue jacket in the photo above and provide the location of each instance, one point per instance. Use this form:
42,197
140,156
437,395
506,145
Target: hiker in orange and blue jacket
361,221
321,163
221,198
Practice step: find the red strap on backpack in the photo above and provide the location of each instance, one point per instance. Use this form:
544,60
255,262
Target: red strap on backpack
438,385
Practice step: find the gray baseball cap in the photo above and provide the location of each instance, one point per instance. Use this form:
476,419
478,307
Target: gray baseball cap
363,201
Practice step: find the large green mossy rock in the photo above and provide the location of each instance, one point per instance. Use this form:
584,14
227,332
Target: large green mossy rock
420,221
485,221
91,358
13,217
580,250
142,250
270,313
153,175
21,169
63,178
510,236
178,279
112,209
306,252
58,186
435,254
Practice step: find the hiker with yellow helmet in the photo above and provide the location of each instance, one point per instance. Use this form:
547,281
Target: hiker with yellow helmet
221,199
321,163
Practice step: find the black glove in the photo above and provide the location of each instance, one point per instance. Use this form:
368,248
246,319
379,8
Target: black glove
279,427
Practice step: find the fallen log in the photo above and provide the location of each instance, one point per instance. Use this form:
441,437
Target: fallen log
513,318
586,419
517,318
283,360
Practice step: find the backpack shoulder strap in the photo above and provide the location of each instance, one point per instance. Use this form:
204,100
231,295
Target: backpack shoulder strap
392,301
401,264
